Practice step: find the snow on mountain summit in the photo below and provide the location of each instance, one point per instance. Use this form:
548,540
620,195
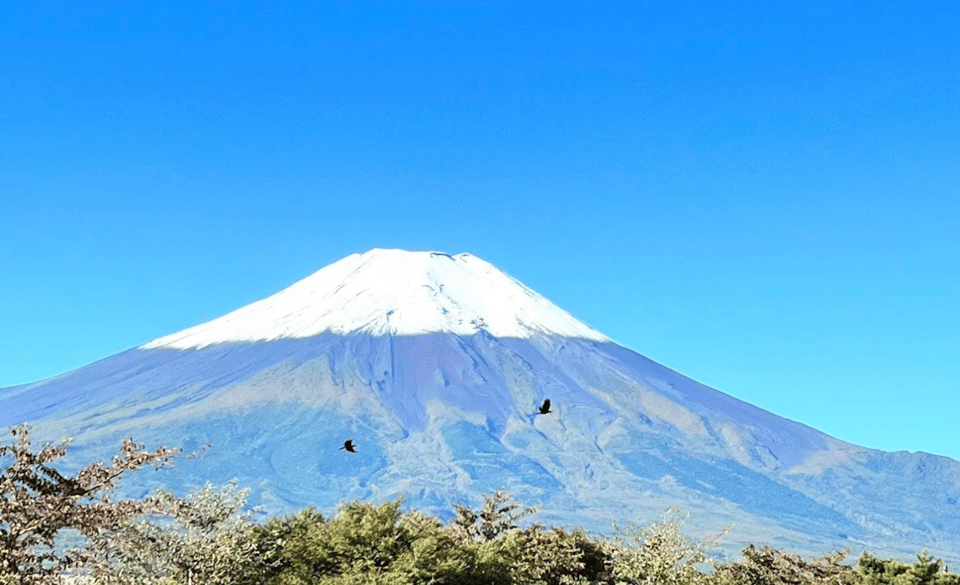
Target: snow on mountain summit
392,292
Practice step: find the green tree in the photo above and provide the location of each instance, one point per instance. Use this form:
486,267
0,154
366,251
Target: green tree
926,571
273,547
498,516
492,537
364,543
534,555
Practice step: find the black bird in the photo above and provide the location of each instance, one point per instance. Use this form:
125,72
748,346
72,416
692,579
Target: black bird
348,445
545,409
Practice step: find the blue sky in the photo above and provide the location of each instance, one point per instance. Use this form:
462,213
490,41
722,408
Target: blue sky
763,197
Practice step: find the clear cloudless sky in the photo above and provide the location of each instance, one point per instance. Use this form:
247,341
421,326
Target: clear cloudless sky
764,196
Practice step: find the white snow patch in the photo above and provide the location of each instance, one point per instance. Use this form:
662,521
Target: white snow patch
827,459
391,292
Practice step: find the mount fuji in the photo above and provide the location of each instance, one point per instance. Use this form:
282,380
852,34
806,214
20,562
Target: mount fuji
434,365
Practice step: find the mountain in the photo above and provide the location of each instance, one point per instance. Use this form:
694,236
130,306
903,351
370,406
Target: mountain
434,366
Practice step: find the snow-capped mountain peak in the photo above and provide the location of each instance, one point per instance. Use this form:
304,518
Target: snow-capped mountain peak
392,292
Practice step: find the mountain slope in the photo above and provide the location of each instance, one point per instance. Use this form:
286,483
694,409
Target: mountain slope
434,365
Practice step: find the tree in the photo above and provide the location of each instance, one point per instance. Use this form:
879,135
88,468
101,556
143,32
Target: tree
38,503
199,539
925,571
534,555
363,544
769,566
658,554
272,547
498,516
555,556
491,535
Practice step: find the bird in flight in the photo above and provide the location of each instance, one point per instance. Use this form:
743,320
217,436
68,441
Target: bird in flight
349,446
545,409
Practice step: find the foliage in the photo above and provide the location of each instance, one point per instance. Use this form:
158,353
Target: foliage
38,503
557,557
768,566
534,555
198,539
272,546
658,554
498,516
368,543
925,571
491,536
364,543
